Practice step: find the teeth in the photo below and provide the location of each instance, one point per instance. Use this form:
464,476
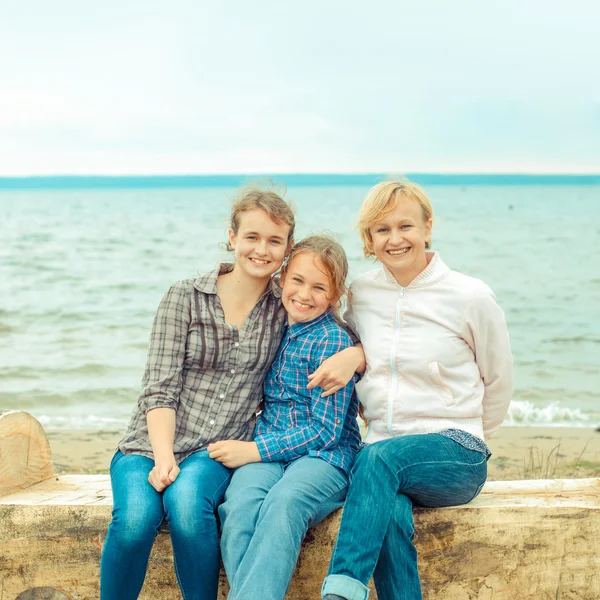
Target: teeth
300,305
396,252
258,261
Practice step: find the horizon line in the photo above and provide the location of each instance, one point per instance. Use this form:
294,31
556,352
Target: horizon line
111,181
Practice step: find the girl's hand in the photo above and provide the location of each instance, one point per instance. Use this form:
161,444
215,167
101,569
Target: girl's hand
164,473
335,372
233,453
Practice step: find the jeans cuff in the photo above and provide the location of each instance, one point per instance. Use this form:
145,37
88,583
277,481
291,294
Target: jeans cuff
344,586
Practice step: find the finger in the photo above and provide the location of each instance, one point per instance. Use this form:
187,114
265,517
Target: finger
316,379
173,473
164,477
331,391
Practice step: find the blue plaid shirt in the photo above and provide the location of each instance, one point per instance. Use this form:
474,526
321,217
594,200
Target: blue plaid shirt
298,422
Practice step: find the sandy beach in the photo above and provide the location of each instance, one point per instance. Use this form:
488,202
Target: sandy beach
518,452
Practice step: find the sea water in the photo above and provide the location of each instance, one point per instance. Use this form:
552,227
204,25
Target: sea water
83,270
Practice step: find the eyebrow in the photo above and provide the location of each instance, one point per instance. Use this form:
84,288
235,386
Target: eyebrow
277,237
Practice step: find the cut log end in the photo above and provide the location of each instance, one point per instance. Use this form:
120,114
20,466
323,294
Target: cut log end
25,455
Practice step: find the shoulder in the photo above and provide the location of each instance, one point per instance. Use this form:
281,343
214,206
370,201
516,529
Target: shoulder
328,337
470,288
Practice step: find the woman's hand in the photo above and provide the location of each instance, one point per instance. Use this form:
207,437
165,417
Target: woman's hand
336,371
164,473
233,453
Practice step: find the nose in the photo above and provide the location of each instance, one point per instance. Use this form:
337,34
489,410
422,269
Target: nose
396,236
304,292
261,248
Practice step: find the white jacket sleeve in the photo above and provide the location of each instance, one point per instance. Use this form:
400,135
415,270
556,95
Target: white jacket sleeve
487,328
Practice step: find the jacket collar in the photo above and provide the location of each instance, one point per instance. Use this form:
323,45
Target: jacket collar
299,328
435,271
207,283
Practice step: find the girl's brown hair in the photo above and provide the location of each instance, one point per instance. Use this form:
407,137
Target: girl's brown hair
272,203
334,260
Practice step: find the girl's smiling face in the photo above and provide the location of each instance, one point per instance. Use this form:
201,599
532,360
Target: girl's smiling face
399,240
307,289
260,244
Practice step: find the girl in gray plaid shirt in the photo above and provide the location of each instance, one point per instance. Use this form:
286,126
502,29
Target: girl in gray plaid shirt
212,343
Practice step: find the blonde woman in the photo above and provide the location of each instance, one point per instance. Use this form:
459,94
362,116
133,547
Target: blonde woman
438,382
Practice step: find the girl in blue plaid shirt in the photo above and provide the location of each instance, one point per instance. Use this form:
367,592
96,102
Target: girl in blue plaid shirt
295,472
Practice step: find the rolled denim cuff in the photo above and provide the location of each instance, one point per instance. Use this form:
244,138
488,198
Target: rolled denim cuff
344,586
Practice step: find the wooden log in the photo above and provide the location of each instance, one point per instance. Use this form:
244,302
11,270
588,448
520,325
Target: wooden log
537,540
25,455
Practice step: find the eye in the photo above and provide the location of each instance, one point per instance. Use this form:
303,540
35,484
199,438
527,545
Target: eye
276,242
251,237
381,229
406,227
320,288
297,279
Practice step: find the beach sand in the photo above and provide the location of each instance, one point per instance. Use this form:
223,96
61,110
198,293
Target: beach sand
518,452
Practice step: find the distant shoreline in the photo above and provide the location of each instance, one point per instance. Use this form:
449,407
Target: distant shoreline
113,182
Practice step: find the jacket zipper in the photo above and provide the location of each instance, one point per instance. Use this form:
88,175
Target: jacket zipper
393,386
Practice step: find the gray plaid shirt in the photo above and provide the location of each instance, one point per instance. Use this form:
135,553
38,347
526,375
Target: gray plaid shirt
209,372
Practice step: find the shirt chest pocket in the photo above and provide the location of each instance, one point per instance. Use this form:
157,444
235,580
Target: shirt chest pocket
206,346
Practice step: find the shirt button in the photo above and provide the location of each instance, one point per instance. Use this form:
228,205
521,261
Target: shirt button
221,396
212,421
232,371
290,426
236,344
337,421
289,403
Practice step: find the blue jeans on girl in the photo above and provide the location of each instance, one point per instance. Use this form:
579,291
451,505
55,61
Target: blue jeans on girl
376,532
189,506
267,510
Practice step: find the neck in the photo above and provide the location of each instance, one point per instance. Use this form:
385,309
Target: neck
404,278
243,284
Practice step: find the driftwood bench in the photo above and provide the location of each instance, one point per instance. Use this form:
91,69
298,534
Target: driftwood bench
518,540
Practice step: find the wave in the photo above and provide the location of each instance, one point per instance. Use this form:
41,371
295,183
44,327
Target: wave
84,422
526,414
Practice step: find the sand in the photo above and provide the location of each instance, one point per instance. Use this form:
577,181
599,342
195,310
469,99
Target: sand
518,452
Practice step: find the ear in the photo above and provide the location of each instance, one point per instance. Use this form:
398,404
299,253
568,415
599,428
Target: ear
289,247
231,238
428,226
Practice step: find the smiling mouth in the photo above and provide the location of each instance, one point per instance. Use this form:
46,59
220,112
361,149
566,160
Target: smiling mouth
259,262
300,305
398,252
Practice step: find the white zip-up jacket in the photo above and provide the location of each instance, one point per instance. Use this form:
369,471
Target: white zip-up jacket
438,353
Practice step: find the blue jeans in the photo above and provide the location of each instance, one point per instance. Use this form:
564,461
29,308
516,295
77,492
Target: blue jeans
376,532
189,506
267,510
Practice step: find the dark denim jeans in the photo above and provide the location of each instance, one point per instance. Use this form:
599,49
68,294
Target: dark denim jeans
189,506
376,532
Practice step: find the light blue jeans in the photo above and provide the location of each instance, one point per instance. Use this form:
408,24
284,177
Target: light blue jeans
188,504
267,510
376,532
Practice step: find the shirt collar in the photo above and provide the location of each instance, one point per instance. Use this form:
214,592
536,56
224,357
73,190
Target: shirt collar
432,273
207,283
298,329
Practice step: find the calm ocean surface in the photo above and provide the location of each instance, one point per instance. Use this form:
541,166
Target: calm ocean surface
82,272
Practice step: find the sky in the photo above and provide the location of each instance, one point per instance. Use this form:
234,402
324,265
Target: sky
184,87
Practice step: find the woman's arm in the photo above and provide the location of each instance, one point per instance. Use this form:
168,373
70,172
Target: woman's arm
162,381
161,431
486,326
336,371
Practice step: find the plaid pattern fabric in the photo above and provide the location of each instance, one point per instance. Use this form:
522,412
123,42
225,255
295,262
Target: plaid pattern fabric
209,372
299,422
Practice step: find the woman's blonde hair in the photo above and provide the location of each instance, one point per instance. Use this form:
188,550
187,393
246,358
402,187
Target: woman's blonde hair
381,201
334,260
272,203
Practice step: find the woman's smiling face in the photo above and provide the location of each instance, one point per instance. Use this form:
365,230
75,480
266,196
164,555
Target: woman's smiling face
399,239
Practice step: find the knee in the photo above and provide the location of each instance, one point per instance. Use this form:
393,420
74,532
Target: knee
368,458
132,525
286,506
